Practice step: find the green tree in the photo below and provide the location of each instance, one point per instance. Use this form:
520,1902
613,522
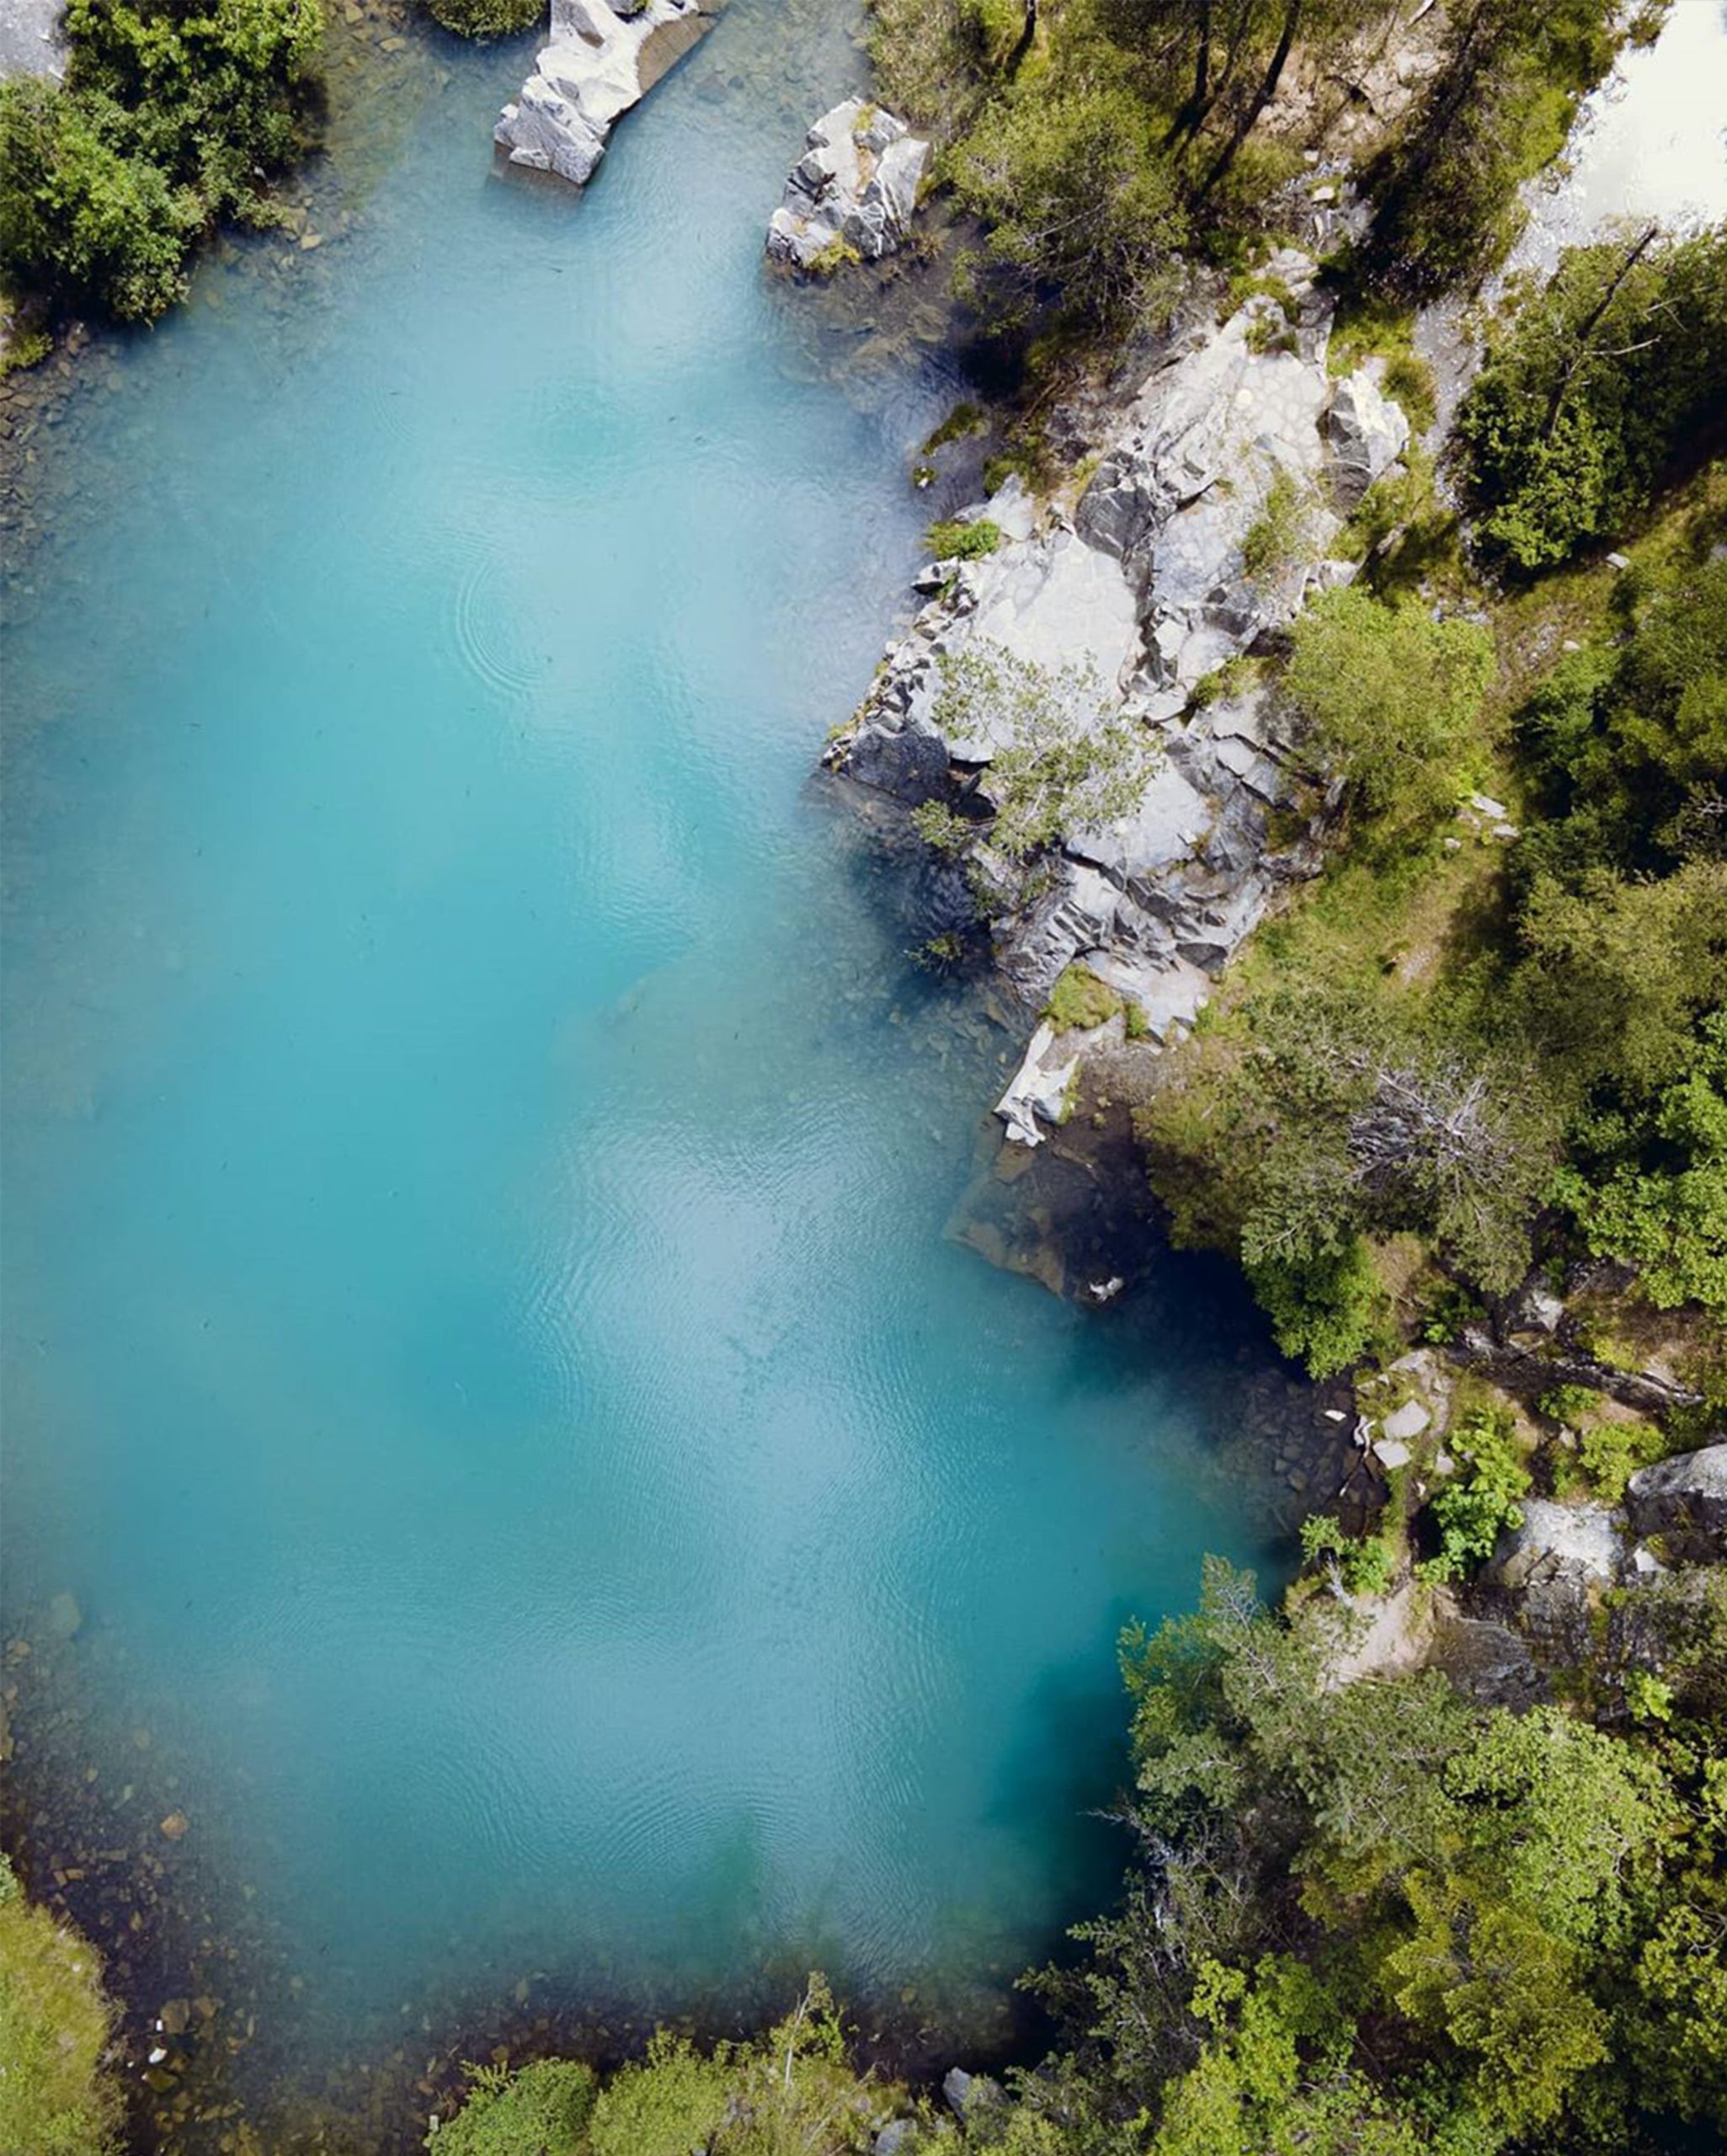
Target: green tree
1597,388
80,217
167,121
1394,695
540,2109
1076,202
1061,758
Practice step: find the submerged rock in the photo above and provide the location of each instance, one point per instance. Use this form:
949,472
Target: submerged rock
602,60
852,193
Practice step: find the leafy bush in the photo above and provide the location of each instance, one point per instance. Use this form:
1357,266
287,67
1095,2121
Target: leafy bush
166,122
1365,1563
1593,393
670,2104
1474,1507
1281,537
1609,1453
1662,1205
488,17
1062,759
1326,1305
55,2097
539,2111
1394,694
938,826
961,541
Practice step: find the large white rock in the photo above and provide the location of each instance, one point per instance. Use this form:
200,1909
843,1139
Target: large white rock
601,61
855,185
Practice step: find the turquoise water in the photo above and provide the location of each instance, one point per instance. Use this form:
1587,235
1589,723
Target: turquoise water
480,1340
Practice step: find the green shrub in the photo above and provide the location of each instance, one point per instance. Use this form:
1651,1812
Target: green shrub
539,2110
1395,695
1474,1507
486,18
838,254
1611,1453
55,2097
938,826
1575,1406
1326,1308
80,218
1281,537
965,418
1079,1001
1366,1564
668,2105
963,542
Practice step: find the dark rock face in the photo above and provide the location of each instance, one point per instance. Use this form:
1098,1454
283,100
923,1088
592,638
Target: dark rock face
1682,1503
911,764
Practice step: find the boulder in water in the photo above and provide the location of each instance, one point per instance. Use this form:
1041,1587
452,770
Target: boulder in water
602,60
851,195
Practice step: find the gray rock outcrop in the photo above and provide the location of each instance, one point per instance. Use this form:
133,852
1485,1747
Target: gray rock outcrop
855,186
601,60
967,2093
1216,495
32,38
1682,1502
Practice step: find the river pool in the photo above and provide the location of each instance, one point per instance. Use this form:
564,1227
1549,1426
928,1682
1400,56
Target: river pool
481,1348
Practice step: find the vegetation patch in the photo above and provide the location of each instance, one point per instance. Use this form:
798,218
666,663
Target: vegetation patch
1079,1001
959,540
489,18
56,2097
167,121
965,418
1594,392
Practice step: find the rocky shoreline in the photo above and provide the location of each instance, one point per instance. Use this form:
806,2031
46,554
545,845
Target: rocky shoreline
1148,573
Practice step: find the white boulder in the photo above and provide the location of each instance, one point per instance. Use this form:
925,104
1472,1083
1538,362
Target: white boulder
601,61
855,186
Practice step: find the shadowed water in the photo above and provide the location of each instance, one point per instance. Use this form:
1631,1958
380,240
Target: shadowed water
480,1343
